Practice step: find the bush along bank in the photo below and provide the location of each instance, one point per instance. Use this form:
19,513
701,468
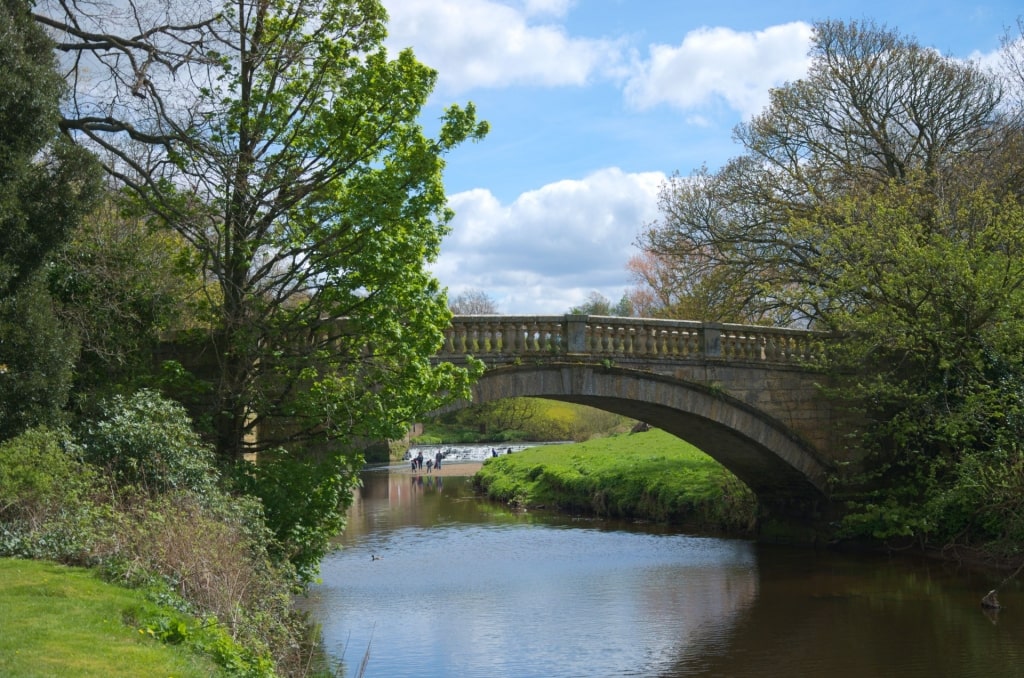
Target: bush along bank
135,495
650,476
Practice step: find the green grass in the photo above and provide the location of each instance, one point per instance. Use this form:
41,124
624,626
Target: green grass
63,621
640,476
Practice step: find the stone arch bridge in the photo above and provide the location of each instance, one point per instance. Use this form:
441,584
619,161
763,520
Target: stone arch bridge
745,395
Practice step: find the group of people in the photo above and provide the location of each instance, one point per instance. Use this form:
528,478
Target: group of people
417,462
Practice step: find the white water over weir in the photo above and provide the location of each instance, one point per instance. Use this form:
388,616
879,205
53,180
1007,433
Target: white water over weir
469,451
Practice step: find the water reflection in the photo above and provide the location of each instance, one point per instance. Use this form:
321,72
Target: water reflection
466,588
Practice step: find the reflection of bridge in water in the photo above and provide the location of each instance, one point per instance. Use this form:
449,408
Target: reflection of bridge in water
745,395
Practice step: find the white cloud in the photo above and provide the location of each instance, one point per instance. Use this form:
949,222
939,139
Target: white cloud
550,7
551,247
721,64
491,44
482,43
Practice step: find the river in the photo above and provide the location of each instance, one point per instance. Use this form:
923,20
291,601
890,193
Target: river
434,582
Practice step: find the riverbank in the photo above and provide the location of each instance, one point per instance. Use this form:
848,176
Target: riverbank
650,476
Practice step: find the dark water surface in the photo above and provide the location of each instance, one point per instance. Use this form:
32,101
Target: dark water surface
462,587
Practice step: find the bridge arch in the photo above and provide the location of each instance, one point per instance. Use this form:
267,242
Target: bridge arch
785,473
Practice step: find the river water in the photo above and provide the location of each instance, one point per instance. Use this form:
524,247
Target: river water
433,582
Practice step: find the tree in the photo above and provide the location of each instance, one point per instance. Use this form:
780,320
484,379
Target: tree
598,304
282,142
879,198
122,280
37,359
507,414
473,302
664,289
46,183
874,107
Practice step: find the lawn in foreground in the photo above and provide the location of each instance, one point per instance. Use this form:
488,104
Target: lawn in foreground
64,621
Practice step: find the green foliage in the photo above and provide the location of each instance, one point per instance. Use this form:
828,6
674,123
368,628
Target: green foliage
598,304
314,195
120,281
932,285
38,469
523,419
37,357
146,440
46,183
305,501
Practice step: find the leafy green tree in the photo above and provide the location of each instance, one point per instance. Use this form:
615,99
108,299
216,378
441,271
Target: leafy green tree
505,415
598,304
37,359
46,183
292,160
879,198
874,107
121,280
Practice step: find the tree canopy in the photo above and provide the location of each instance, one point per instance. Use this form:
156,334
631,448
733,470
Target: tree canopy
283,143
46,185
878,198
473,302
874,107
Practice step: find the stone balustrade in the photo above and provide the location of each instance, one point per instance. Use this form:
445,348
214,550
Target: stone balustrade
601,337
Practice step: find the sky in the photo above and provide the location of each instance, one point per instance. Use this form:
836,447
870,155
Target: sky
593,104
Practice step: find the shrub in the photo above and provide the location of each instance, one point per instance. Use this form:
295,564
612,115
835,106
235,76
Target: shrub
305,502
39,469
148,441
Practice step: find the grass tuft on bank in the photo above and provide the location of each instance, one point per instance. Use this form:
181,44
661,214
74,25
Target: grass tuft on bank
650,476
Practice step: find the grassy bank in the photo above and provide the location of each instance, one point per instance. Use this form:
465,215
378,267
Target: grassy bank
65,621
635,476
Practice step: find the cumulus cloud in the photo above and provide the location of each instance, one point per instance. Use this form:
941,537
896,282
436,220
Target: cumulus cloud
550,248
492,44
482,43
721,64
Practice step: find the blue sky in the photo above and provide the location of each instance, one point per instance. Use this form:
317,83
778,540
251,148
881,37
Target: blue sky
593,103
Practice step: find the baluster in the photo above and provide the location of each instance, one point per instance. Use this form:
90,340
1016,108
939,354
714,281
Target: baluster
559,338
788,348
448,347
620,334
460,339
544,337
746,345
598,339
680,343
490,332
640,341
670,340
529,333
509,340
608,335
